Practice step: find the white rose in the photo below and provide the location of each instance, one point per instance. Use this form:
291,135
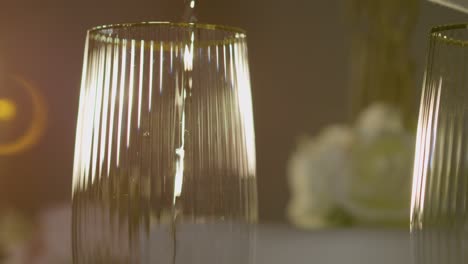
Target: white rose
364,171
379,190
314,169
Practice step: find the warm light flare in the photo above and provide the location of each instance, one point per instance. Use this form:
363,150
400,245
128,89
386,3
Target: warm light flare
38,120
7,109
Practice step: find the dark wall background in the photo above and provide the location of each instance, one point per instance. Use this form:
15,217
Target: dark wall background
299,65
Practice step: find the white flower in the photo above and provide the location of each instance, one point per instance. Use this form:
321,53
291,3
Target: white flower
377,121
314,170
363,171
379,189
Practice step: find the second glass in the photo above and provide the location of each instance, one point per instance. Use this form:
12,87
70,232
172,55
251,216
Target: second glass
165,150
439,217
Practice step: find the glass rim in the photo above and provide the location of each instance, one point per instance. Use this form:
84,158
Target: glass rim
214,27
437,30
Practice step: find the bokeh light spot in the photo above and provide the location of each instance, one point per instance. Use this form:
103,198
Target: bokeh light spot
7,109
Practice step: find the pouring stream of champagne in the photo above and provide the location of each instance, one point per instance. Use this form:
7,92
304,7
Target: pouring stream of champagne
189,16
189,11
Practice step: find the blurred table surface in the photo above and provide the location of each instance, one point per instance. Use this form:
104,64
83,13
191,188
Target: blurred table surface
274,244
285,245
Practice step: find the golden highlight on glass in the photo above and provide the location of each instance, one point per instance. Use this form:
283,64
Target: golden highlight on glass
440,181
165,151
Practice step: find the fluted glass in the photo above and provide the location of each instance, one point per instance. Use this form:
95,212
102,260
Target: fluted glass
439,216
164,168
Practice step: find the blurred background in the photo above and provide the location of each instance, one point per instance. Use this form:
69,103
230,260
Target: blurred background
301,59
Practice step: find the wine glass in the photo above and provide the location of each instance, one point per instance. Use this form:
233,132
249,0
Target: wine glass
439,219
164,168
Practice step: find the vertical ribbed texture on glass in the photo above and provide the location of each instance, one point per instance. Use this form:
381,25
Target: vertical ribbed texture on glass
439,218
164,168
